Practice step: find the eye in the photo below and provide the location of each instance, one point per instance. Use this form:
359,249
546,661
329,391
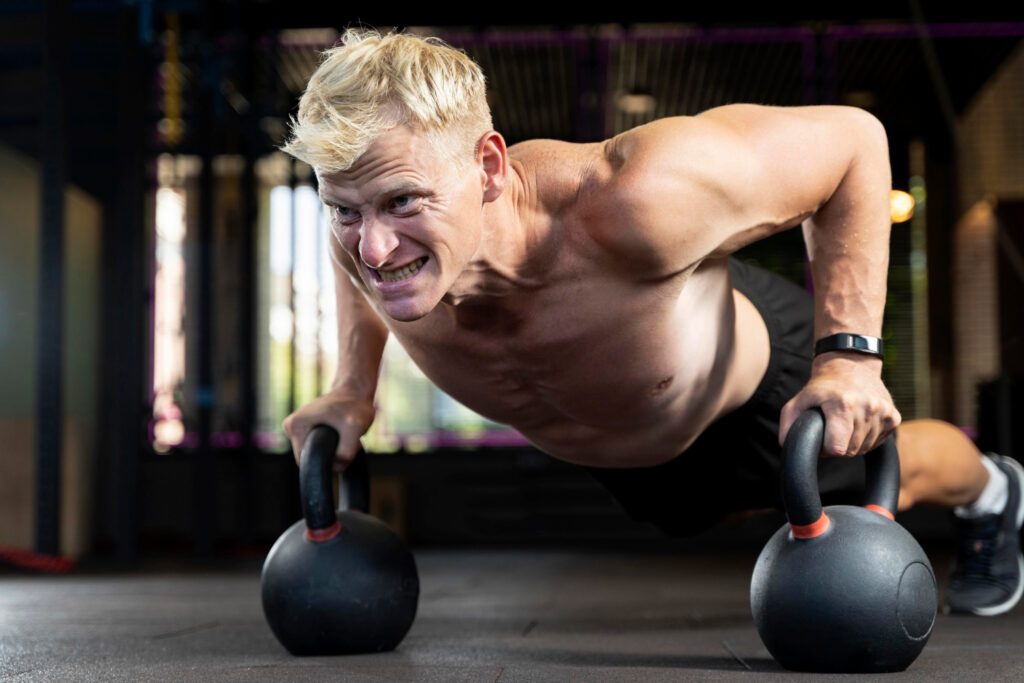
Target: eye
402,203
345,214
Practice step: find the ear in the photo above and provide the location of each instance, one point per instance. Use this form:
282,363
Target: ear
492,157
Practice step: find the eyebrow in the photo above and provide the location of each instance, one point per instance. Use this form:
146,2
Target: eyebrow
399,188
326,199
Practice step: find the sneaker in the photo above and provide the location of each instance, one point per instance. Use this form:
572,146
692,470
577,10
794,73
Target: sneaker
986,578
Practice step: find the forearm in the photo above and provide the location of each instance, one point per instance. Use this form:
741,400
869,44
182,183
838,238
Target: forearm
848,246
361,339
848,240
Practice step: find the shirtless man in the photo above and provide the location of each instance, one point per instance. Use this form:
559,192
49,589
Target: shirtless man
583,293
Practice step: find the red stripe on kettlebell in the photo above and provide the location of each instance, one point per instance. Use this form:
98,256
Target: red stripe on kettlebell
321,535
882,511
812,530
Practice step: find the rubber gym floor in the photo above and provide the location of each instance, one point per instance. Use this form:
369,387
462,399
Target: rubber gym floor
488,616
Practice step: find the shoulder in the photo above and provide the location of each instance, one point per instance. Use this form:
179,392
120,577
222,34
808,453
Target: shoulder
677,190
652,190
733,141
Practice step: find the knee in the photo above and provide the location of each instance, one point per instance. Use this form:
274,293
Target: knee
938,464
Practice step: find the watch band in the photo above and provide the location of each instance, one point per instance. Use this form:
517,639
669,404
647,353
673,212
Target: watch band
844,341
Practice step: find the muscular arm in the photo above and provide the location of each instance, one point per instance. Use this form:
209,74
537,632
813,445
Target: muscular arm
705,186
348,406
361,337
830,165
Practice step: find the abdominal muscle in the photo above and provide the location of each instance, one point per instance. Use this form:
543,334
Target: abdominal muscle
672,414
626,384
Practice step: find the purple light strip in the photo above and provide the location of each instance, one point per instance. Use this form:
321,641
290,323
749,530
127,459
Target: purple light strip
722,35
488,438
683,35
895,31
716,35
513,38
438,439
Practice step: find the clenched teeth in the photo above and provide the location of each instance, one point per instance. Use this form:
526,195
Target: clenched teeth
402,273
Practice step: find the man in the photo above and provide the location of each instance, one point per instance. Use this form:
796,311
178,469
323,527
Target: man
583,293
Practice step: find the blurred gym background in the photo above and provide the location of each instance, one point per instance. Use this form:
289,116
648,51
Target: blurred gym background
165,297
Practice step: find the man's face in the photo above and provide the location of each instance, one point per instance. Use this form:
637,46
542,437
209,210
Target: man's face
408,218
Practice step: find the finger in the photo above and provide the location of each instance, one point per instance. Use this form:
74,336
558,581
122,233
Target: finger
348,446
862,439
297,431
883,420
786,420
838,433
791,411
298,440
873,438
884,427
866,426
878,439
875,422
892,422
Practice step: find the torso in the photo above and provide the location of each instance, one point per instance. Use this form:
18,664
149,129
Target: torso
595,364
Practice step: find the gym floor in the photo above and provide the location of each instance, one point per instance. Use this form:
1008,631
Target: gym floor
483,616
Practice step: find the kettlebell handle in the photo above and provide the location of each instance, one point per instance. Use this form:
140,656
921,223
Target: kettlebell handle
315,472
800,493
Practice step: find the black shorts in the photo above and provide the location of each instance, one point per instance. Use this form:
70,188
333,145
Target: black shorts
734,464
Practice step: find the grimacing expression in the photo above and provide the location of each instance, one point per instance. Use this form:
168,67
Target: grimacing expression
409,219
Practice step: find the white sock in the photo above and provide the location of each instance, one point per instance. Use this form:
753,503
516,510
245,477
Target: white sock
993,499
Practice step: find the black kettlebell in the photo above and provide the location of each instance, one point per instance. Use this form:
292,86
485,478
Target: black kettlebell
340,583
847,589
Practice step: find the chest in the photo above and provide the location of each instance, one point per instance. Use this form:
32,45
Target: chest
590,349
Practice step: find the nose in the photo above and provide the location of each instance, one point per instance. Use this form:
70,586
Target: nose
377,242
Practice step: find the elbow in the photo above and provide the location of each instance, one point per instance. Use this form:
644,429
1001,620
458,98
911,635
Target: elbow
868,129
867,148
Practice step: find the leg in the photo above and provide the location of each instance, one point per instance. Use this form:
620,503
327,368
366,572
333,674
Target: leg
939,465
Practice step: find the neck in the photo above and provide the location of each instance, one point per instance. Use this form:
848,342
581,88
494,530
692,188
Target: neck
503,264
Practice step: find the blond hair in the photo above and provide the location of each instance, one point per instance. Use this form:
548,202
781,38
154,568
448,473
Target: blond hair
371,83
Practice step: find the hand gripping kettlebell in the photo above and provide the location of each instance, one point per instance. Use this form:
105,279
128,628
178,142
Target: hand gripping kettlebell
338,583
846,589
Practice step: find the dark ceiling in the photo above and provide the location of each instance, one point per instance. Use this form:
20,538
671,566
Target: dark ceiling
243,64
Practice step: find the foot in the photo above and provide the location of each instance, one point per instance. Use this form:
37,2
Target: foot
987,575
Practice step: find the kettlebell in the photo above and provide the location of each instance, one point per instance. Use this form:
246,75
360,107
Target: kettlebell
338,583
845,589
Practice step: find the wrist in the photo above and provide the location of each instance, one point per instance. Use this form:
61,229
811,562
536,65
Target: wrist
851,343
358,391
846,361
